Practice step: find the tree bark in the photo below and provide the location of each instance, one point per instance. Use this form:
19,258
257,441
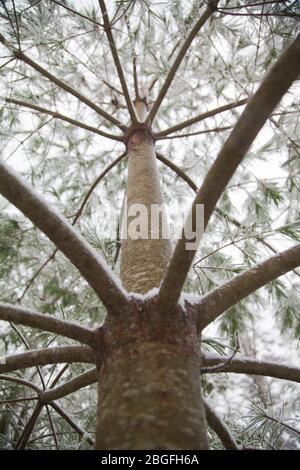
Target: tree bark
143,261
149,383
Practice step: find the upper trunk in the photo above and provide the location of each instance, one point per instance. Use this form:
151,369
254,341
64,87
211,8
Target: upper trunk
144,261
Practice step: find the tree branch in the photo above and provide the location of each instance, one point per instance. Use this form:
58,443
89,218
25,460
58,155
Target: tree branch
219,300
76,217
177,170
62,117
117,62
193,186
200,117
257,111
83,380
95,183
42,357
61,84
245,365
19,381
212,5
65,328
90,264
220,428
71,423
39,407
75,12
193,134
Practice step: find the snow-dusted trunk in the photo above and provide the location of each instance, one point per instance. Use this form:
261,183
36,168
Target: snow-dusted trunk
144,261
148,361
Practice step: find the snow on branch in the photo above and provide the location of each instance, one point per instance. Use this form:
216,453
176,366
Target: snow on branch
220,299
244,365
257,111
43,357
40,321
90,263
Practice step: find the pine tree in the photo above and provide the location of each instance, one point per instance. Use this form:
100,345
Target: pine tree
168,100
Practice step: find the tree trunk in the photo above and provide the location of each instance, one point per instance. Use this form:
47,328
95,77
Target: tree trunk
149,382
148,362
144,261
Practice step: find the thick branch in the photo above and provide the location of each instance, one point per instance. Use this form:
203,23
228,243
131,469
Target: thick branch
212,4
62,117
76,217
200,117
219,300
83,380
66,238
193,186
65,328
275,85
43,357
220,428
61,84
252,367
117,62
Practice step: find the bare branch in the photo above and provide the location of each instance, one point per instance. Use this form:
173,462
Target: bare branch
61,84
212,5
18,380
177,170
83,380
91,265
40,405
95,183
245,365
193,134
220,428
26,433
62,117
200,117
40,321
117,62
219,300
42,357
257,111
72,423
77,13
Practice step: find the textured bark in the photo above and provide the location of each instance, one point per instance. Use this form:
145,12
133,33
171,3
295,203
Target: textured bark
149,382
143,261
